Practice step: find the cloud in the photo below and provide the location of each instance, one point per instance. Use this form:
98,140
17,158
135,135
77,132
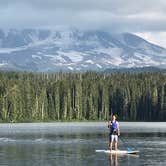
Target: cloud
158,38
109,14
143,16
118,6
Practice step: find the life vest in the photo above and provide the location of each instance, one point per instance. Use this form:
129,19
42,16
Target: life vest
114,127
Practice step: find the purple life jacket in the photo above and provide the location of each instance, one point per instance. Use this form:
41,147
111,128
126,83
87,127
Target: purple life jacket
114,128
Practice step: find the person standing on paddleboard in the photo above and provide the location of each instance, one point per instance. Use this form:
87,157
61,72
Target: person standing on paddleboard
113,125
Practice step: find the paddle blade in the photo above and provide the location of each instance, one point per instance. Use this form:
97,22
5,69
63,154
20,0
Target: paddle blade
129,149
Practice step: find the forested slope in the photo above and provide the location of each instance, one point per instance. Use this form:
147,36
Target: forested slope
82,96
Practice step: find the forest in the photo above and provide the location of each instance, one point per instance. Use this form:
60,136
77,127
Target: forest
38,97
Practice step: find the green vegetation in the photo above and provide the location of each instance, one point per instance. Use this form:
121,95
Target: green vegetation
29,97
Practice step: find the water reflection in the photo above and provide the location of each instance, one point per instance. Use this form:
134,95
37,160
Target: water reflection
55,144
113,159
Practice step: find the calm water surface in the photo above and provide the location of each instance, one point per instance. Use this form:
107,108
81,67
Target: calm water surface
74,144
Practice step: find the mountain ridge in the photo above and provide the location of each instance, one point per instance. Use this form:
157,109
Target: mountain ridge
46,50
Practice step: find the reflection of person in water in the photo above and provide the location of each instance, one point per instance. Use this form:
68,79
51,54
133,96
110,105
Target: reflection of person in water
113,159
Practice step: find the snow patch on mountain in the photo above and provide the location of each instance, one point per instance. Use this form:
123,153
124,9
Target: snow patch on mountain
109,51
75,57
89,61
70,68
99,66
55,58
36,57
3,64
84,65
57,50
116,61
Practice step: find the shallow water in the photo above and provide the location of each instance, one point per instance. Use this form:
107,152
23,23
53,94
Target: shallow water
47,144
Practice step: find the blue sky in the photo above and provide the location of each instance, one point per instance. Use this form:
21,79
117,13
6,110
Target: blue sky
146,18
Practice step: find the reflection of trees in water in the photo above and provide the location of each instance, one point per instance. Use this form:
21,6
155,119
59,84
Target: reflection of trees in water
113,160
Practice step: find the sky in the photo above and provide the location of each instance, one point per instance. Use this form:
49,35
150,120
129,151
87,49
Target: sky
146,18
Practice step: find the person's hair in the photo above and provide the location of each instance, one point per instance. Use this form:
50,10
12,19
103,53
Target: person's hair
113,115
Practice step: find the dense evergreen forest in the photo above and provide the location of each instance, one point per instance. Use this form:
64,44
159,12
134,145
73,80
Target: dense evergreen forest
29,97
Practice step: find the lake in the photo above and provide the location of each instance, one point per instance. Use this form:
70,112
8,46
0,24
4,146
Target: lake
74,144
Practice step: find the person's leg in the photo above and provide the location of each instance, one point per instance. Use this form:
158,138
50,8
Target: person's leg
112,140
111,146
116,142
109,143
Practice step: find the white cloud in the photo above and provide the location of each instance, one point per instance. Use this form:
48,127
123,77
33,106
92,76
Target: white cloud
110,14
141,17
158,38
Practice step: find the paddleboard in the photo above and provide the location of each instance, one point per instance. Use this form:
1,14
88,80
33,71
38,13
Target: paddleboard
119,151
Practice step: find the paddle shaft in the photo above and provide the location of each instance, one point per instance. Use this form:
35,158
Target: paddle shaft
124,143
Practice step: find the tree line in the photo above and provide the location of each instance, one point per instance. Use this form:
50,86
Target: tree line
28,97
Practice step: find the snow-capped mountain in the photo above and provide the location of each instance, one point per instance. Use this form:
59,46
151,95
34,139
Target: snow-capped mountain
54,50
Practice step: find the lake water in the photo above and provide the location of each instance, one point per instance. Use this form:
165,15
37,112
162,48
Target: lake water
74,144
